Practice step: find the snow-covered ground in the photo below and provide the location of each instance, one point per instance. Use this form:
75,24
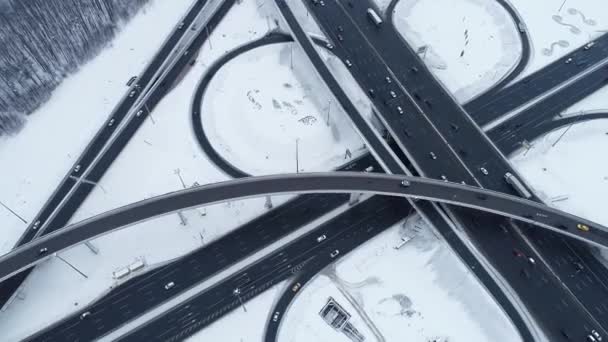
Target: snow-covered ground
269,107
470,44
557,27
42,153
162,154
569,162
430,294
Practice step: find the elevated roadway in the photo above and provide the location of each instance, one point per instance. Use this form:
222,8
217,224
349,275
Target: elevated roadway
120,127
339,182
443,142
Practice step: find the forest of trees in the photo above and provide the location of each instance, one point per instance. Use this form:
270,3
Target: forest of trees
43,41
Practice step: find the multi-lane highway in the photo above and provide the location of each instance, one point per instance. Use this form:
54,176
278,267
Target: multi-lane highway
526,47
250,237
534,132
120,127
485,110
506,134
330,182
460,150
197,99
343,233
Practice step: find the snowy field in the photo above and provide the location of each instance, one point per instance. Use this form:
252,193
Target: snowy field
268,107
556,30
475,43
470,47
430,294
169,130
39,156
255,120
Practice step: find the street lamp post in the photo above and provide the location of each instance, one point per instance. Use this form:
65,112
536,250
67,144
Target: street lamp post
237,293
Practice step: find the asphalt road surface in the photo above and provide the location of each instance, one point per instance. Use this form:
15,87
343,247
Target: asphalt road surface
365,44
344,233
70,194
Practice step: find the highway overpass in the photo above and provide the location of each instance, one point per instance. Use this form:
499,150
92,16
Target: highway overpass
330,182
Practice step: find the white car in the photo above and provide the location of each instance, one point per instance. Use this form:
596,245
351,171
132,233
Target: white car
275,317
85,314
348,63
595,334
321,238
334,253
399,109
569,60
169,285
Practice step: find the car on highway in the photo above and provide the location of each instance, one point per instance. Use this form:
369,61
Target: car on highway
340,38
139,112
596,335
132,93
181,25
388,80
43,251
131,80
340,28
85,315
433,155
348,63
399,110
169,285
77,168
569,60
334,253
296,287
329,46
371,93
321,238
522,27
275,317
484,170
582,227
111,123
393,95
405,183
589,45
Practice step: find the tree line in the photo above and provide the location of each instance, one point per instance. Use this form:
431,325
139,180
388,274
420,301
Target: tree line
43,41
